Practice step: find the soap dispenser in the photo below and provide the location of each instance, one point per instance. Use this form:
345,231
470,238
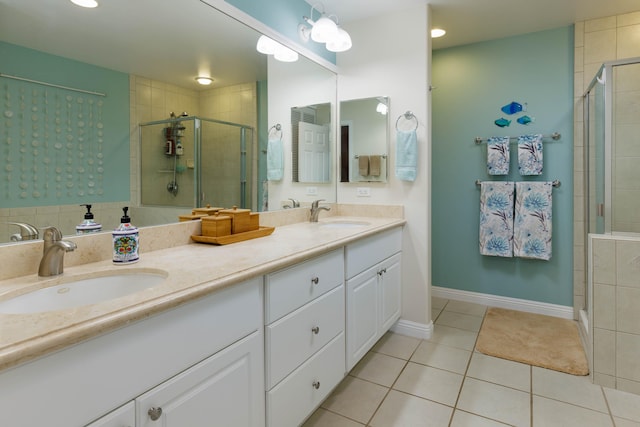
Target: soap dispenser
88,225
125,241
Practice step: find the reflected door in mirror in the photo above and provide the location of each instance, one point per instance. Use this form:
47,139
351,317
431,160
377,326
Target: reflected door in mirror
313,152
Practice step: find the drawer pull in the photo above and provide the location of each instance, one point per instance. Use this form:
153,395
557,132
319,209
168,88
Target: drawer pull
315,330
315,280
381,272
316,384
154,413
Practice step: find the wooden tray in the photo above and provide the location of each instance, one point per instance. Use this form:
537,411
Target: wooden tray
234,238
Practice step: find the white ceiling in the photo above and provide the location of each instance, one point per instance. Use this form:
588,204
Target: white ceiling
175,41
469,21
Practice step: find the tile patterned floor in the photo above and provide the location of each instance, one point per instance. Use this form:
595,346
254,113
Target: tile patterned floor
443,382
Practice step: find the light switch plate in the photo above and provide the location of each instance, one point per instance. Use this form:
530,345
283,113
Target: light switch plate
312,191
363,192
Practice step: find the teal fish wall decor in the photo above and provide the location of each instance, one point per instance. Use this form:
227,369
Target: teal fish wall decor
513,108
525,120
502,122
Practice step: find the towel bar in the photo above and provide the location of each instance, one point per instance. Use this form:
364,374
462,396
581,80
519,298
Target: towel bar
555,136
555,183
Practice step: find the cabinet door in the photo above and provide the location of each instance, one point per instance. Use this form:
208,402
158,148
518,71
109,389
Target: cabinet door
390,292
224,390
362,317
125,416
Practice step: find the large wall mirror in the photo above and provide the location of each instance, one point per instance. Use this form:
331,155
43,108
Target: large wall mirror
138,62
364,139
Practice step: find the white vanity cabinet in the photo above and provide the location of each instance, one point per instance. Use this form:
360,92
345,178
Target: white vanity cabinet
373,271
204,358
304,337
124,416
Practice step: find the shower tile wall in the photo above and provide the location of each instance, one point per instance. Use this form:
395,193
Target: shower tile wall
153,100
616,320
596,41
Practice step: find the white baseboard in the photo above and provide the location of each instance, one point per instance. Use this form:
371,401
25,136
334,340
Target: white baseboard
413,329
562,311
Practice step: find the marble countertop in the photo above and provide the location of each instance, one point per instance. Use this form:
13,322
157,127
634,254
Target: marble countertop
194,270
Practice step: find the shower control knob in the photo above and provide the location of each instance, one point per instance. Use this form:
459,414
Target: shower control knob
155,413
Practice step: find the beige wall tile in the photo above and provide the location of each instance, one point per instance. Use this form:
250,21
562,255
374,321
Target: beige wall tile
604,261
604,351
599,24
628,263
628,39
578,31
627,360
599,46
604,306
627,314
604,380
629,19
628,385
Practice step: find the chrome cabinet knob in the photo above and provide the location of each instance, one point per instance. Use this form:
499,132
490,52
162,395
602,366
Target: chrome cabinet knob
155,413
315,330
316,384
315,280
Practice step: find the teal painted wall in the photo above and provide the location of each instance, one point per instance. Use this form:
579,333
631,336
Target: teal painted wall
472,83
59,146
284,17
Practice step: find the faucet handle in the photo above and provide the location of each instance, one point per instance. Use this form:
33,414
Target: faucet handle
315,203
27,231
51,234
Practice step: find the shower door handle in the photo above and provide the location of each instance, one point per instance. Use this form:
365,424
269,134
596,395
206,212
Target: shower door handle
600,209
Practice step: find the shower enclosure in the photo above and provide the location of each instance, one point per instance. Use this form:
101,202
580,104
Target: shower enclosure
189,161
612,149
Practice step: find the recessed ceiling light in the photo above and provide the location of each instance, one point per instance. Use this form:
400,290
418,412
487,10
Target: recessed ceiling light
204,80
437,32
85,3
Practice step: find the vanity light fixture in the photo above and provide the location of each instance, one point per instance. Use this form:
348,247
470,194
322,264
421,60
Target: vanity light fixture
205,81
85,3
325,30
437,32
280,52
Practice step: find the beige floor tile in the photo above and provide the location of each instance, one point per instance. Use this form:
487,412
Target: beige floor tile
454,337
552,413
435,313
496,402
442,357
465,419
378,368
573,389
622,404
396,345
500,371
621,422
430,383
324,418
460,321
356,399
438,302
466,308
403,410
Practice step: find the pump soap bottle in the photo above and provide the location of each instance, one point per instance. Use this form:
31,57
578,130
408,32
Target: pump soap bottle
88,225
125,241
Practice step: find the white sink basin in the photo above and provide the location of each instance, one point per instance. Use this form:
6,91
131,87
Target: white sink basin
344,224
79,292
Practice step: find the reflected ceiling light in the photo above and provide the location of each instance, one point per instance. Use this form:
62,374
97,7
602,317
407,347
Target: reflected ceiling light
382,108
85,3
437,32
280,52
205,81
266,45
325,30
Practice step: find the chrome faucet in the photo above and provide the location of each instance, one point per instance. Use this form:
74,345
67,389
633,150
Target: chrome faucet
315,210
294,203
52,262
27,232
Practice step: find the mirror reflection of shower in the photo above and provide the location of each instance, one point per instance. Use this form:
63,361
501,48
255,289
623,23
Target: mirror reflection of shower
173,149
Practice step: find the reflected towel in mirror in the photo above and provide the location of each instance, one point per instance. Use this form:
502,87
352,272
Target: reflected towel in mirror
363,165
375,162
275,160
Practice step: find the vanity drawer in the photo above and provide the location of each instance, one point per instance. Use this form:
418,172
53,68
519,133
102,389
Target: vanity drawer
295,398
367,252
294,338
289,289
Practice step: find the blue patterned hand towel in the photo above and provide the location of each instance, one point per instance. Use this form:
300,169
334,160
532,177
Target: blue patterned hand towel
530,154
406,155
496,218
275,160
498,155
532,228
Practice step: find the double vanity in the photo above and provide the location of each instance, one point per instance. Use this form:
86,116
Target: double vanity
256,333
